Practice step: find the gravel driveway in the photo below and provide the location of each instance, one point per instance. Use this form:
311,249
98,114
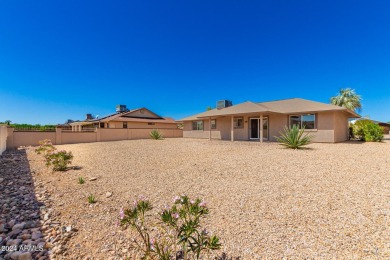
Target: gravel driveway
328,201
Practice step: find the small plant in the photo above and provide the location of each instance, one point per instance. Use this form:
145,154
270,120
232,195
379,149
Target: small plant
59,160
294,137
81,180
91,199
45,147
177,232
156,135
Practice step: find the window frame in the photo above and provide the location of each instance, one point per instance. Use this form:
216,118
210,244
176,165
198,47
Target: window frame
301,121
124,125
196,122
213,126
235,122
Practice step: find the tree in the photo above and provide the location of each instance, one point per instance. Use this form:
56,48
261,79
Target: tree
8,122
347,98
209,108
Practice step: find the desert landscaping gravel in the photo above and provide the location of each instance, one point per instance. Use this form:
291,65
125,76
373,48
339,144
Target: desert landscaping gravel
327,201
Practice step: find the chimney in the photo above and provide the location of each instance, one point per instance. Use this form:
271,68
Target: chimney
88,117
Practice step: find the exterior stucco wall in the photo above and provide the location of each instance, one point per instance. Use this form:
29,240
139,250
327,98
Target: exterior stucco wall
16,139
3,138
20,138
276,124
340,127
222,131
78,137
113,134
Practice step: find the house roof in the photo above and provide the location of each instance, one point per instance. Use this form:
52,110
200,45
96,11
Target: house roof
286,106
123,117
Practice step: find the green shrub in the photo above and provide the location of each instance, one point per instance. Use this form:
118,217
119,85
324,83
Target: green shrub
59,160
368,131
156,135
177,231
294,137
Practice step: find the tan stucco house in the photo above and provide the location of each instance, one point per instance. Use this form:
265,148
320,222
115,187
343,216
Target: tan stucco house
328,123
141,118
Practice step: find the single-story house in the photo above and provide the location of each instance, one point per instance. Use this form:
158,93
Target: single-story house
140,118
265,120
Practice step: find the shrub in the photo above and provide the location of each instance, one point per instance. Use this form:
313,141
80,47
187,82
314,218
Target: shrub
368,131
156,135
59,160
81,180
45,147
91,199
294,137
177,232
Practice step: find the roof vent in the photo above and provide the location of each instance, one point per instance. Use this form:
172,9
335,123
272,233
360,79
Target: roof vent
224,103
88,116
121,108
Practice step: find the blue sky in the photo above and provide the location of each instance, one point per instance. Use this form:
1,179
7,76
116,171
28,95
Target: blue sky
62,59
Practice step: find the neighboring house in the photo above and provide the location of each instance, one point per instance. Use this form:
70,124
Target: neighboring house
328,123
124,118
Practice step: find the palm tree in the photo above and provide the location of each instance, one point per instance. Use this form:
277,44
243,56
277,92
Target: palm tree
347,98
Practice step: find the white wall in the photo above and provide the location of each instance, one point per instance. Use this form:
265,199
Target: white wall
3,139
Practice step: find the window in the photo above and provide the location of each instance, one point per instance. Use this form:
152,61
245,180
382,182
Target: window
238,122
124,124
295,120
151,123
307,121
213,123
197,125
101,125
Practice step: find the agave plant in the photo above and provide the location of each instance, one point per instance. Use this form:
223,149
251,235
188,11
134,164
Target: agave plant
294,137
156,135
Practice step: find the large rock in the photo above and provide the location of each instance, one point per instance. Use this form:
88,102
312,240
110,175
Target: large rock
25,256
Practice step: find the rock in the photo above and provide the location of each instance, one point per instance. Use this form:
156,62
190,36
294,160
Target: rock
14,242
46,217
36,235
14,233
19,226
108,194
2,228
25,236
25,256
16,255
1,180
93,179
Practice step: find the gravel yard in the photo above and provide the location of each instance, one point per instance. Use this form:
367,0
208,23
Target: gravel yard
328,201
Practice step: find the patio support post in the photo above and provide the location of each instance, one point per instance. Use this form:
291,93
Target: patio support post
261,128
210,128
232,129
